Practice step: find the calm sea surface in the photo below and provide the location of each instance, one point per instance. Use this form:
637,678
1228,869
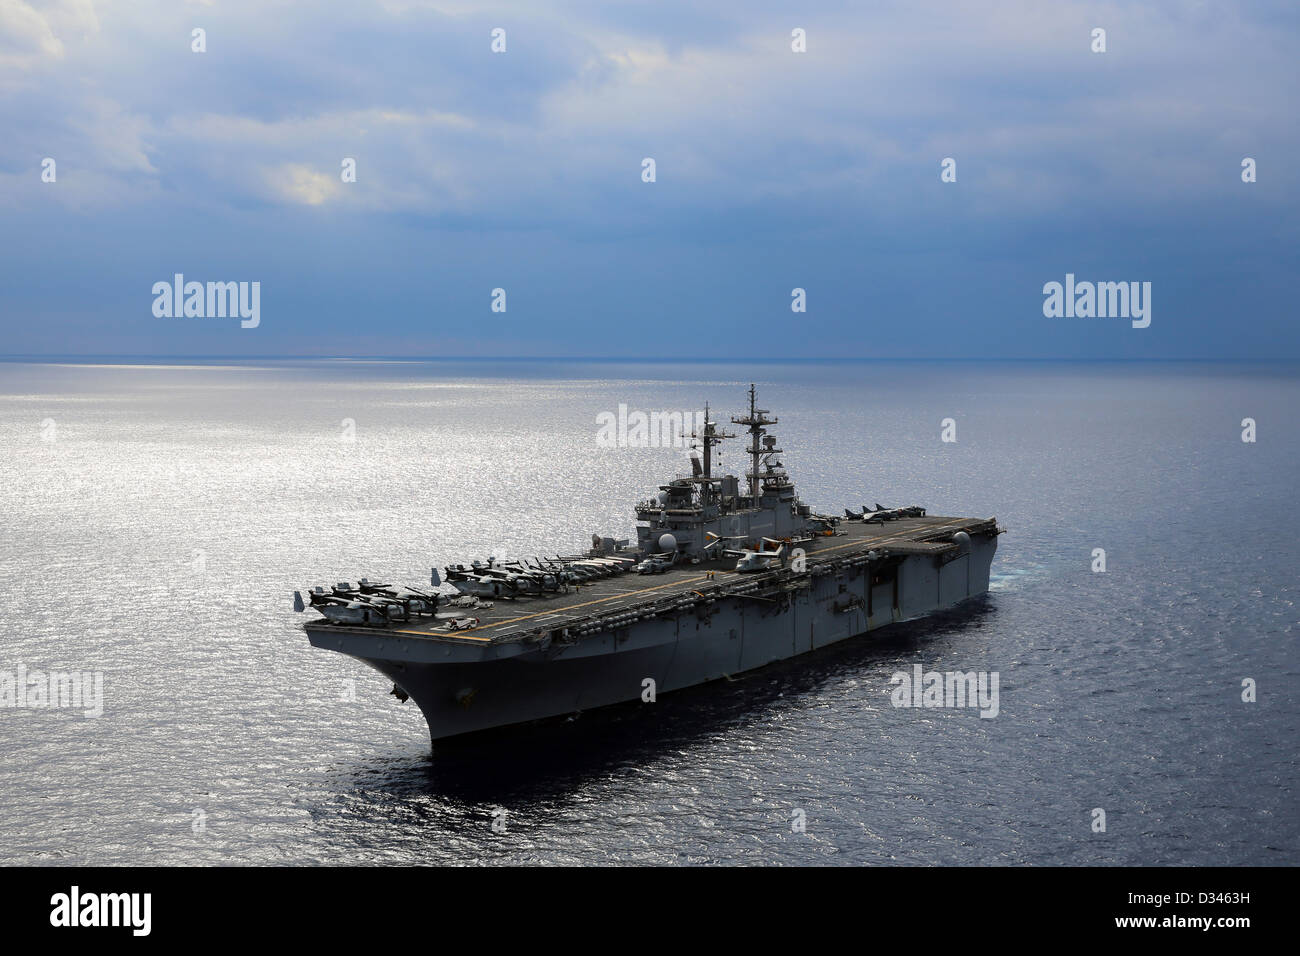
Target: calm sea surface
155,520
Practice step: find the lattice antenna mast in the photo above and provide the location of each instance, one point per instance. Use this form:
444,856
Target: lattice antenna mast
757,421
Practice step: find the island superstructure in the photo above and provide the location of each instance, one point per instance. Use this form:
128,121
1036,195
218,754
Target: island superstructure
726,574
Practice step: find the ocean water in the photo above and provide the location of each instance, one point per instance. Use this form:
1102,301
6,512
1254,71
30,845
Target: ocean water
156,519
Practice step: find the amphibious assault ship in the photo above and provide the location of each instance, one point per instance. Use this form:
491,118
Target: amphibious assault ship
726,575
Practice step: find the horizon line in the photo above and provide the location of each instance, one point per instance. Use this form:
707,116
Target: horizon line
78,358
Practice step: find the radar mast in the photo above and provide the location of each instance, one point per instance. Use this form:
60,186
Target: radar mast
706,438
757,421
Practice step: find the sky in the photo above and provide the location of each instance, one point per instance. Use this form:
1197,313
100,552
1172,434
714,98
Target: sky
774,170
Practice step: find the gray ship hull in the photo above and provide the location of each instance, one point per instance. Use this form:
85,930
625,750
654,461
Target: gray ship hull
462,688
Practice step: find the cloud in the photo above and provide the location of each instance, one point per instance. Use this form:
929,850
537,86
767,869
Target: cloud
25,36
561,122
301,184
770,163
31,34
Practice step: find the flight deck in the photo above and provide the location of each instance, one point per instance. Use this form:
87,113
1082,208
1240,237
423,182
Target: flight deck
593,603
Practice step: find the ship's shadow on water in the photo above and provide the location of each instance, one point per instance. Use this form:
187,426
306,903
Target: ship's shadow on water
545,761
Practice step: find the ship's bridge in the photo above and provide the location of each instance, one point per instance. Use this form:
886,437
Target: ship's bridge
698,515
